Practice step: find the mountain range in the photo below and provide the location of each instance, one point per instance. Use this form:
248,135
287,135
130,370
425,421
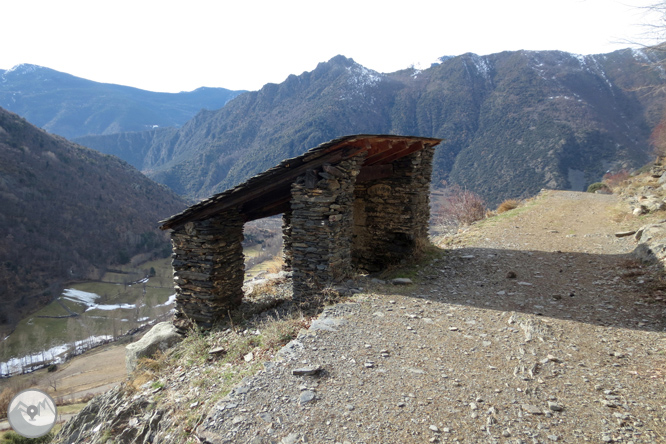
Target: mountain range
72,107
66,213
513,122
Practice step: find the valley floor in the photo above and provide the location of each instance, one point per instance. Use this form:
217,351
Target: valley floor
533,326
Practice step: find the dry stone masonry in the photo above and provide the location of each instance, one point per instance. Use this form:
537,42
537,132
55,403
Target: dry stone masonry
208,267
391,214
322,203
358,203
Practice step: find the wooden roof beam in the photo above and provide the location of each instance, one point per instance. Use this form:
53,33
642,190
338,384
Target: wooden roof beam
395,151
242,194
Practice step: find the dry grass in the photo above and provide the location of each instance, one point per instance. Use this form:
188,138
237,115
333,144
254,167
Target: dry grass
507,205
275,265
246,344
5,397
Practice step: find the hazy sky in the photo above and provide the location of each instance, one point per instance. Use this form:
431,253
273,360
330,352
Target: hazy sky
165,45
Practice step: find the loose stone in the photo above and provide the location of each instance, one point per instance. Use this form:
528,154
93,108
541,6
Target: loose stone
307,396
306,371
532,409
555,407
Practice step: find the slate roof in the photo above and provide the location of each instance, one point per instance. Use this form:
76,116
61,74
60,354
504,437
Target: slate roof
269,193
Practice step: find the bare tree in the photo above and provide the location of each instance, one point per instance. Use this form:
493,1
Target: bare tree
53,382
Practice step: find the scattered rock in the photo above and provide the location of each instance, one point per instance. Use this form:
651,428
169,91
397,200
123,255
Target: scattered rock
291,438
307,396
217,351
555,407
532,409
161,337
401,281
306,371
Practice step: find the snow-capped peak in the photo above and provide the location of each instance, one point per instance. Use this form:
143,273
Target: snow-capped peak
23,68
363,77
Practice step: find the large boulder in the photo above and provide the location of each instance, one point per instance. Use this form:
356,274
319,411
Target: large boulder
161,337
651,243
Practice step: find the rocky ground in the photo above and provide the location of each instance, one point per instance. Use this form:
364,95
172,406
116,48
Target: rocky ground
536,326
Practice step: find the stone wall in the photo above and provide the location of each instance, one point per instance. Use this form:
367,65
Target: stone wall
321,226
336,226
208,267
391,215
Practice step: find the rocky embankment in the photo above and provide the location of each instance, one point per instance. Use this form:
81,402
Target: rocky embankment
646,195
535,326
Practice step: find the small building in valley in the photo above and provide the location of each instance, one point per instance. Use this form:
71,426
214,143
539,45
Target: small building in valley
359,202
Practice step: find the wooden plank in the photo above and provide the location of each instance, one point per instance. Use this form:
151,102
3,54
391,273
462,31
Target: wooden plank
374,172
397,154
260,211
245,194
392,147
378,146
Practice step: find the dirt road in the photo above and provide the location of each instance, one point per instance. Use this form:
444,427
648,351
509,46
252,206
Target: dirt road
535,326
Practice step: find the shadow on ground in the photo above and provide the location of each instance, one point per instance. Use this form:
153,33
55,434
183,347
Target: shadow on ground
606,290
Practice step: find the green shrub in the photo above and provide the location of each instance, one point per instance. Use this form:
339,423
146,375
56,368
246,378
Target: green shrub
596,186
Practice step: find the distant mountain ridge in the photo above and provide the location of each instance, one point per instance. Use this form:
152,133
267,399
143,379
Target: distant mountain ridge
66,213
72,107
513,122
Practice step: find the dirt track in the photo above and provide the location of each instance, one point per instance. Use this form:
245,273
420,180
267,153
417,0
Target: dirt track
536,326
94,372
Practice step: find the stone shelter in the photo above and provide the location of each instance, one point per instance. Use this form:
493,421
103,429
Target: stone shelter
359,202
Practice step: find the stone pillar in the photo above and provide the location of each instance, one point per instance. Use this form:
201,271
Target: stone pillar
287,253
209,267
321,226
391,215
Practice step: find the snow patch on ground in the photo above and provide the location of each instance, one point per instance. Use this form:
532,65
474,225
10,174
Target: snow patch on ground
363,77
170,301
111,307
580,58
88,299
23,68
360,80
640,55
54,355
82,297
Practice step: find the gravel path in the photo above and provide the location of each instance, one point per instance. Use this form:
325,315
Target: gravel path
534,327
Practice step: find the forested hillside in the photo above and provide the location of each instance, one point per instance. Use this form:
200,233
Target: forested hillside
68,212
513,122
